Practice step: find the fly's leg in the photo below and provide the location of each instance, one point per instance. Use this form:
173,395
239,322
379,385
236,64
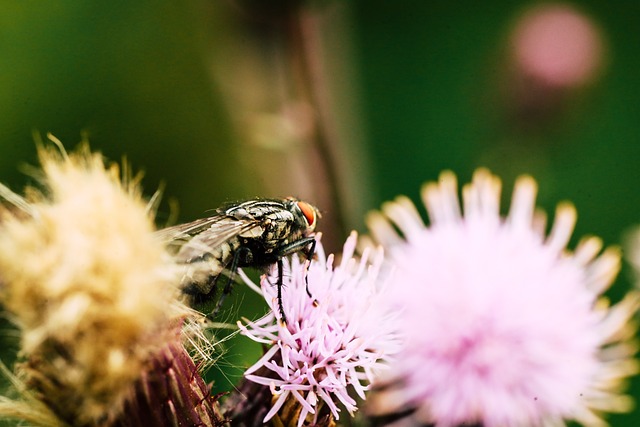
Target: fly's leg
309,254
241,251
306,245
280,284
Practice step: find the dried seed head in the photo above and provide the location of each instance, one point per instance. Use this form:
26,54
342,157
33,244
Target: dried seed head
87,282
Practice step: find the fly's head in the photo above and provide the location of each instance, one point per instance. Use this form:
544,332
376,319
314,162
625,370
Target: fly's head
306,215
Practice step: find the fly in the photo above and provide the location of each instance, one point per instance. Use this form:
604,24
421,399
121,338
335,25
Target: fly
254,233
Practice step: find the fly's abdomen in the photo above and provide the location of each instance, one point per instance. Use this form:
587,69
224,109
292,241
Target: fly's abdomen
201,269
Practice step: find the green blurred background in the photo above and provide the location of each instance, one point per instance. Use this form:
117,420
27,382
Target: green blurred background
345,104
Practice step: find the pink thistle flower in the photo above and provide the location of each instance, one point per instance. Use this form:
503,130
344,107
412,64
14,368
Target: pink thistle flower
505,326
333,342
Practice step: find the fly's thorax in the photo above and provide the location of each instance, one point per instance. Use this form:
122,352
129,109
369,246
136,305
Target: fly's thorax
255,210
275,222
283,236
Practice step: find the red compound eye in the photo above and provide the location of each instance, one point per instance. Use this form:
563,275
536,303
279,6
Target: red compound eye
309,213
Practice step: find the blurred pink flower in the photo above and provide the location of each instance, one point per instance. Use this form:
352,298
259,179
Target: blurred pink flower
558,45
332,342
504,325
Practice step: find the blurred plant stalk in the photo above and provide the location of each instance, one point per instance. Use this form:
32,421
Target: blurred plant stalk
286,73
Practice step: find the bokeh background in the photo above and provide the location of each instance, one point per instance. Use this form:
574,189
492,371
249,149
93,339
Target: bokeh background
342,103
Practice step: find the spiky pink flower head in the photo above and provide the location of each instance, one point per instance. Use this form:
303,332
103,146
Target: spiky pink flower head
504,325
334,341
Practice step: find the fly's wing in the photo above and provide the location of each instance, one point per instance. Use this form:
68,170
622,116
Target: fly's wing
195,239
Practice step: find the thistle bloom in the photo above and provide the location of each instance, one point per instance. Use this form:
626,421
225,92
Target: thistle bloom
332,342
505,326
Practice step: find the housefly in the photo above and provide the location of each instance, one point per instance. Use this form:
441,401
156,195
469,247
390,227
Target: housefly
254,233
